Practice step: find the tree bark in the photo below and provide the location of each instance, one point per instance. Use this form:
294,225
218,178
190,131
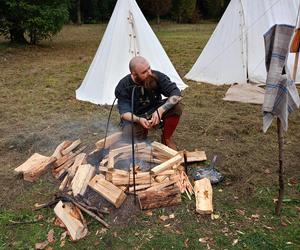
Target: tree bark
281,168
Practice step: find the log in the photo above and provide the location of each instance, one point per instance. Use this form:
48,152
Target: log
126,149
155,199
121,177
75,226
139,187
161,178
57,153
111,139
81,179
69,156
160,186
109,191
35,166
35,159
165,150
194,156
203,194
79,160
74,145
64,183
167,164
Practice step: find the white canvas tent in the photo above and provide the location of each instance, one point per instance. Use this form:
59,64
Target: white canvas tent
127,34
235,52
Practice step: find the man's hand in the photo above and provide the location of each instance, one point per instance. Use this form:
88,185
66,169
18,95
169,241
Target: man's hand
156,117
144,122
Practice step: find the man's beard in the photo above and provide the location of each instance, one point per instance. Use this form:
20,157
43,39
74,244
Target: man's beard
149,83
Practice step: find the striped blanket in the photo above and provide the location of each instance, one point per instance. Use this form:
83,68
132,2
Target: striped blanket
281,96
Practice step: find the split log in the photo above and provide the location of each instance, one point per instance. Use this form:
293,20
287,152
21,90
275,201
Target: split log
70,218
57,153
35,166
167,164
161,178
194,156
167,172
64,183
79,160
121,177
74,145
108,190
81,179
111,139
161,186
139,187
165,150
67,157
203,194
155,199
127,149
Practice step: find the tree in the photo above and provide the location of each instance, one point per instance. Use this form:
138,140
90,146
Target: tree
212,9
37,20
156,7
183,10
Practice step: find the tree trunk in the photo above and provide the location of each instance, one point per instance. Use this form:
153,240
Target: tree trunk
17,36
157,19
78,12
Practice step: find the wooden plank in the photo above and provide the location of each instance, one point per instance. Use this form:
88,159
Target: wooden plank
164,149
155,199
203,194
81,179
109,191
167,164
70,218
74,145
111,139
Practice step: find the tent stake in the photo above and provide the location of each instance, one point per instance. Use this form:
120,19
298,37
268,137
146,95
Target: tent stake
281,168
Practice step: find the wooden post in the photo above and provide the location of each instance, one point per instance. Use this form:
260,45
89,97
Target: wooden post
281,168
295,66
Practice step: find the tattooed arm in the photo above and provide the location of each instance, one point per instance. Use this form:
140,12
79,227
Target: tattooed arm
170,103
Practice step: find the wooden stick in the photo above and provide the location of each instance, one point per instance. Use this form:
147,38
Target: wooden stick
295,65
281,168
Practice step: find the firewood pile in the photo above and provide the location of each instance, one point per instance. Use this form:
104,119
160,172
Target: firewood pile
160,185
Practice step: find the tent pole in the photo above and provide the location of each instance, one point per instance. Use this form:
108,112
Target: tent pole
281,168
295,66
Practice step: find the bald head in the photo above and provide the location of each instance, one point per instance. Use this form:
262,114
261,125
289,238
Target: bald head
140,69
137,62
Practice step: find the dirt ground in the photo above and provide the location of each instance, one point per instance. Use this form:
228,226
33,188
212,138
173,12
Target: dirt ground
38,110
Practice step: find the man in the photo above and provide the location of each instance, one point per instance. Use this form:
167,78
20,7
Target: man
146,86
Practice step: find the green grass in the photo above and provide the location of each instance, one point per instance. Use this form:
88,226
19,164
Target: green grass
38,110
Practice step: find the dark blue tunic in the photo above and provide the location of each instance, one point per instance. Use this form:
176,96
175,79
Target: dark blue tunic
145,101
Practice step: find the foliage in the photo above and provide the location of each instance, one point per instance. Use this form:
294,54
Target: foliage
213,9
156,7
183,11
40,19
